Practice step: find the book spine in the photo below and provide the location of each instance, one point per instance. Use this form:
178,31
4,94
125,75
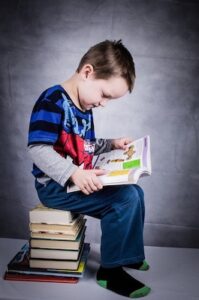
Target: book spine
39,278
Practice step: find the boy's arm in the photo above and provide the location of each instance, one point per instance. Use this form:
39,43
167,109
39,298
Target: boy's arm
106,145
52,163
103,145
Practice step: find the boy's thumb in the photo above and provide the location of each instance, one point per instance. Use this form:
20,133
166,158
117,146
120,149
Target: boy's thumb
99,172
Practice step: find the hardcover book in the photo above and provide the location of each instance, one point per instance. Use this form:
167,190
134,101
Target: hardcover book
56,263
58,254
39,278
72,228
58,235
20,264
58,244
42,214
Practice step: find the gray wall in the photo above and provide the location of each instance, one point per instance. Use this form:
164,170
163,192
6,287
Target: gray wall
41,43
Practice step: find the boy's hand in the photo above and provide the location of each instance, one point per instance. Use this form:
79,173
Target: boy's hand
87,180
121,143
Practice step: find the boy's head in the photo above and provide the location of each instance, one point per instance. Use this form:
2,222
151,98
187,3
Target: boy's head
104,73
110,59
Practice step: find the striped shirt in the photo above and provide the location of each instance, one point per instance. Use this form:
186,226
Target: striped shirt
55,120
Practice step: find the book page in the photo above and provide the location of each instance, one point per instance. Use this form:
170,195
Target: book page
121,159
125,166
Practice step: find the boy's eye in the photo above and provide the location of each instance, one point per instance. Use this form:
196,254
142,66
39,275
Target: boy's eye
106,96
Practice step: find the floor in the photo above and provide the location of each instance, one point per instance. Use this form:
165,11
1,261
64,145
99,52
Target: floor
174,275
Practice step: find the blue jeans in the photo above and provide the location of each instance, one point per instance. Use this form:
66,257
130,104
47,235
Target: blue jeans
121,211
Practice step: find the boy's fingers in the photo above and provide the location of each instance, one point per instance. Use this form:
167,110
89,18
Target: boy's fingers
125,147
97,183
128,140
99,172
84,190
92,185
88,188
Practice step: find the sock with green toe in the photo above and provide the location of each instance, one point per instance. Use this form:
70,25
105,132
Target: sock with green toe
142,266
120,282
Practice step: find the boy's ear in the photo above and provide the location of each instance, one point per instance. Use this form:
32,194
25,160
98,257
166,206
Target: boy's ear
87,71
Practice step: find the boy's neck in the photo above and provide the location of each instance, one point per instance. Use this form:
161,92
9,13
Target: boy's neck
71,87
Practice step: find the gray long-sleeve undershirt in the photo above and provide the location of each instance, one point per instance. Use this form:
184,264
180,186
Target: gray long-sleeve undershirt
51,163
54,165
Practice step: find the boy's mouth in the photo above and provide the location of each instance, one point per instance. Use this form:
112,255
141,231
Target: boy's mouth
92,106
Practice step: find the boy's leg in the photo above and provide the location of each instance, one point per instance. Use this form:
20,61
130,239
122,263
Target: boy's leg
142,265
121,211
122,228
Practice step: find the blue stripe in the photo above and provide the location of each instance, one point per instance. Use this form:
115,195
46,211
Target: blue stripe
80,114
42,136
51,90
59,103
44,115
90,135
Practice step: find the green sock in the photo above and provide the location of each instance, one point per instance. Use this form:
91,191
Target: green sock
120,282
142,266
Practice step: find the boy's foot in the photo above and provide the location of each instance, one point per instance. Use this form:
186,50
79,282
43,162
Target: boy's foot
141,266
120,282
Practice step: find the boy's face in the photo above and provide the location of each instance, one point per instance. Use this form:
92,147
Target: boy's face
94,92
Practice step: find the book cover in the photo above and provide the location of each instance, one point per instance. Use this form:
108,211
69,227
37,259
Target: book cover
58,254
20,264
56,263
72,228
58,244
123,167
42,214
39,278
58,235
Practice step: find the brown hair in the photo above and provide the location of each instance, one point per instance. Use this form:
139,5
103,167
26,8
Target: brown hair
110,58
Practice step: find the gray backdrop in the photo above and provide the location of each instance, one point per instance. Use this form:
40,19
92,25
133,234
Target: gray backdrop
41,43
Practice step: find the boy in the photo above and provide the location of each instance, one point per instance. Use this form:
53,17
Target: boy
62,144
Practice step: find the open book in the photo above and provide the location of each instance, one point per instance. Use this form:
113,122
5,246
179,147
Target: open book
123,167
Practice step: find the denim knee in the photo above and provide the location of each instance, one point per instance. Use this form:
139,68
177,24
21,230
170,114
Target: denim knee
140,191
128,196
134,196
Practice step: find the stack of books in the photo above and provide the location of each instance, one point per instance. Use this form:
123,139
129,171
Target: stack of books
56,251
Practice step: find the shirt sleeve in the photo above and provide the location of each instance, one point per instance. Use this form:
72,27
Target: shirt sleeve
103,145
52,163
45,122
